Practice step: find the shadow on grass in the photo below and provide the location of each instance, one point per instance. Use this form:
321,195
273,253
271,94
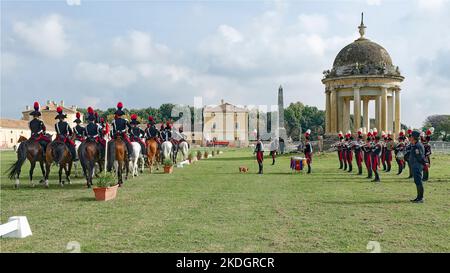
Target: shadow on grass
230,158
83,199
359,202
27,186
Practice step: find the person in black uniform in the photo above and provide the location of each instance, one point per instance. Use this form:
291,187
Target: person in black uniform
167,133
375,156
120,127
79,131
417,162
162,134
426,145
94,132
308,149
136,133
38,129
357,149
151,131
64,132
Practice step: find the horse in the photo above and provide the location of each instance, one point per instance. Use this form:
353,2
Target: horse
184,148
135,159
89,154
77,148
166,151
58,152
153,155
117,152
31,150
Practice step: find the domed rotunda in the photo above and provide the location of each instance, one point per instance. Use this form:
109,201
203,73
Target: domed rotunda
362,72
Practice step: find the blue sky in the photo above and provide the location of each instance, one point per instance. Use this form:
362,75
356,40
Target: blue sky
145,53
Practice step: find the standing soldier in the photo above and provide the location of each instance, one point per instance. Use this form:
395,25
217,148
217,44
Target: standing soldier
408,145
357,148
38,129
348,150
259,151
274,145
80,131
367,148
389,147
400,151
375,157
383,150
120,127
417,163
64,132
340,150
427,147
136,133
308,150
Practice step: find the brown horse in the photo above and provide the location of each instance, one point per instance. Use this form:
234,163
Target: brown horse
31,150
153,154
58,152
89,154
117,152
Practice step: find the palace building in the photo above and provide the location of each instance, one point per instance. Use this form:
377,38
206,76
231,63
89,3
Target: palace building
362,73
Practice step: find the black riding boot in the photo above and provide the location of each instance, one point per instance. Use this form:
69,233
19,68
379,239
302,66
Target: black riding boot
341,165
350,167
384,166
388,167
73,152
359,170
369,173
309,168
260,165
377,177
345,165
419,198
130,149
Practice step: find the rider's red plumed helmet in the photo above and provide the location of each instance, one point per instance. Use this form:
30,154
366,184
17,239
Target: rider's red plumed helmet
36,106
90,110
59,109
119,105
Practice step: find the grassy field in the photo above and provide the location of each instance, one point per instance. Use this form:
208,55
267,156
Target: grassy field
211,207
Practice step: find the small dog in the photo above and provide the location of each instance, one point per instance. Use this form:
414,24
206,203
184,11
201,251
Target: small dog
243,169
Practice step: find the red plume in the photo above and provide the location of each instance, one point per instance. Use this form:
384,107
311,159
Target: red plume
133,116
78,115
409,131
102,120
95,114
150,118
59,109
36,106
120,105
90,110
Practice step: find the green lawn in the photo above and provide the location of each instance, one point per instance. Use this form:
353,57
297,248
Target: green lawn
211,207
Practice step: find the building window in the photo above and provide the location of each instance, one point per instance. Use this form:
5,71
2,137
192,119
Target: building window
236,138
213,114
11,131
236,125
11,140
214,126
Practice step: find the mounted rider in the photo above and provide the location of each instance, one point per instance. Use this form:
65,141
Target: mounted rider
120,127
166,134
64,132
94,131
151,132
136,133
182,136
38,129
79,131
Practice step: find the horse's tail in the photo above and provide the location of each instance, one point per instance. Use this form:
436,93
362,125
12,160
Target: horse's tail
21,157
111,155
82,155
58,152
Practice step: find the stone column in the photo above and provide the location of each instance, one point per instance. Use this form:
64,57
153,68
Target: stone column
340,118
378,113
327,112
390,116
397,111
366,118
356,108
383,122
334,111
346,115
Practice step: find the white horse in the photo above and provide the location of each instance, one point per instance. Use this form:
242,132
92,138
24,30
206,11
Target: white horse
184,147
136,158
166,150
76,163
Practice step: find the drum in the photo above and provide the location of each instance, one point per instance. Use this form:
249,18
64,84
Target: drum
297,163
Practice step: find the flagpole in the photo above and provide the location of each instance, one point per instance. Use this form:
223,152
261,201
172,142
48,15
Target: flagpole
106,137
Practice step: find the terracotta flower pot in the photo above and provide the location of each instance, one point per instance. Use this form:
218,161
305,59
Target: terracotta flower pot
168,169
105,194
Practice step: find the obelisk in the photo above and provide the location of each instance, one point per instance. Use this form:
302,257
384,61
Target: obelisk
282,130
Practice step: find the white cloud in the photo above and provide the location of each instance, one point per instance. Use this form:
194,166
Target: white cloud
373,2
45,35
73,2
139,46
230,34
9,62
431,5
114,76
313,23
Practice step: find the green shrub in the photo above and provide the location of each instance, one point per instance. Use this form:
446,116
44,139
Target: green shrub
168,163
105,180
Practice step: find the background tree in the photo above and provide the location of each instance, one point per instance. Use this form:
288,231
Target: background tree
441,124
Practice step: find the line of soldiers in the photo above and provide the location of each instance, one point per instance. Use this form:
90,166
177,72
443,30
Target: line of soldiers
375,150
97,128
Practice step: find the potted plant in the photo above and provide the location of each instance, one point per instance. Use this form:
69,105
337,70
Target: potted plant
191,157
168,166
205,155
106,188
199,155
213,153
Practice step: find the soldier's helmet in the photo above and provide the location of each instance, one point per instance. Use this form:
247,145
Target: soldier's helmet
77,120
134,120
91,115
119,111
36,112
60,114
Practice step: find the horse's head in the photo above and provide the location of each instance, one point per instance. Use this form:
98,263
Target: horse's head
22,139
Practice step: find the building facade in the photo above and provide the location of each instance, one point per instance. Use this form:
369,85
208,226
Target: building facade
226,123
49,113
